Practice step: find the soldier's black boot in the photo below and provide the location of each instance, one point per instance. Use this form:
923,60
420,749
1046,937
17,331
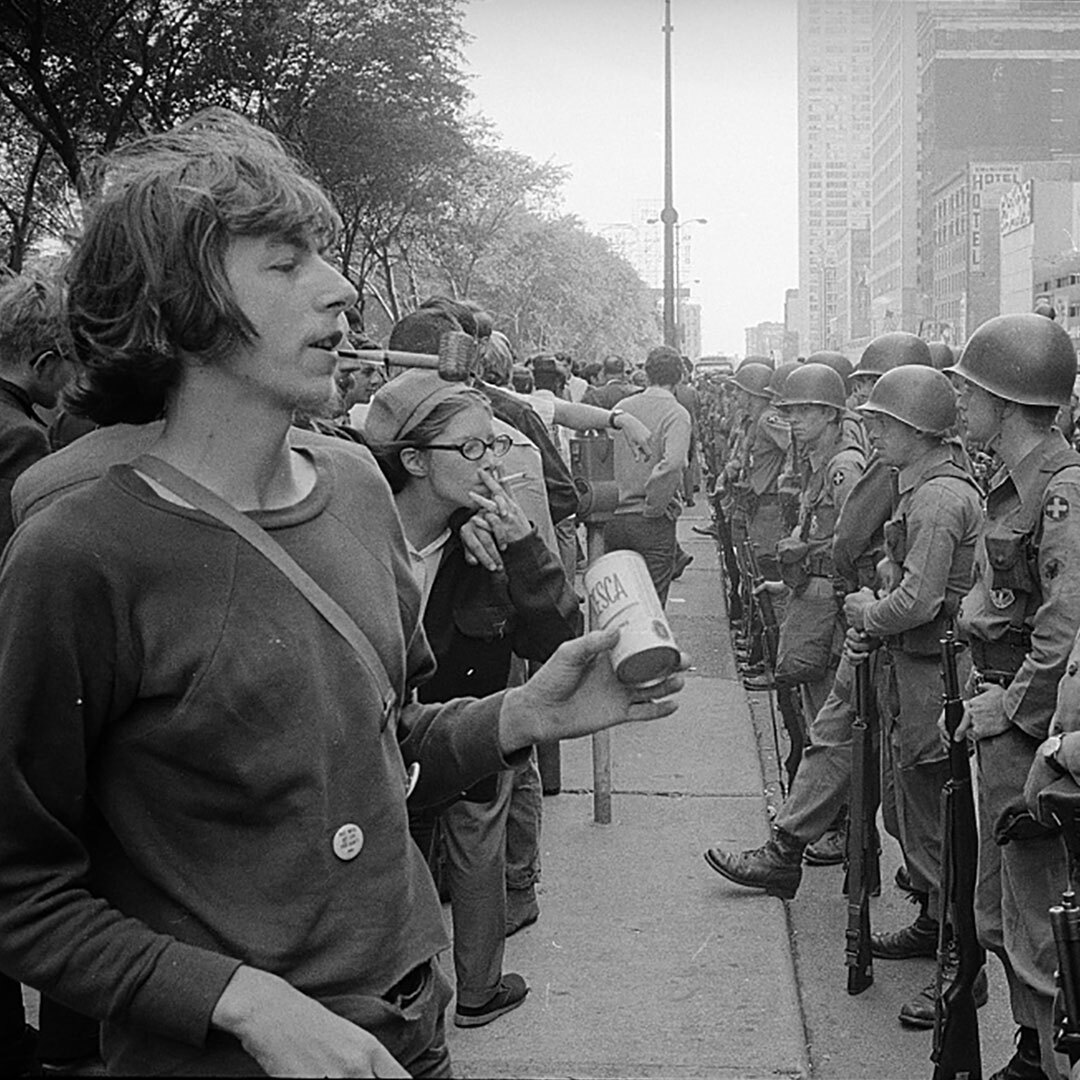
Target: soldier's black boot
775,867
1026,1063
918,939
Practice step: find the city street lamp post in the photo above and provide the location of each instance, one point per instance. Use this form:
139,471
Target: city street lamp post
677,307
680,327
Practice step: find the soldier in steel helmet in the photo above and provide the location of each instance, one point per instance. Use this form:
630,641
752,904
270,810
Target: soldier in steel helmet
929,545
766,446
813,397
755,512
810,824
851,423
815,401
1021,617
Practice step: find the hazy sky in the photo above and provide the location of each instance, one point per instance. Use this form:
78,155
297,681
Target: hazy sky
581,83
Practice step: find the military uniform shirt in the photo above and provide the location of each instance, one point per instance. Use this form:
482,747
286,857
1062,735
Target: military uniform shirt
936,522
768,451
834,471
988,612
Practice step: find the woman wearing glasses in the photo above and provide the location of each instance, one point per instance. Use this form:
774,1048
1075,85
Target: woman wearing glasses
436,445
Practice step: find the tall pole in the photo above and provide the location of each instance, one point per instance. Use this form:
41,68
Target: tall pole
678,288
669,216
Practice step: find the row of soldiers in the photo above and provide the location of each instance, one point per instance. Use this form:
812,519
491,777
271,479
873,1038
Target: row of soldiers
873,511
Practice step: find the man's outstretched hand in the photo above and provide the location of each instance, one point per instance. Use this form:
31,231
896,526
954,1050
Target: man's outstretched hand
576,693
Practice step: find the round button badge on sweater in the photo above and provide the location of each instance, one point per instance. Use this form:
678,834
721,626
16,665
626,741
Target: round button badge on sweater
348,841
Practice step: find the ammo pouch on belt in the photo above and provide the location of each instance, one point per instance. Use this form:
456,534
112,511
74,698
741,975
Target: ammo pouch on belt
1004,763
791,554
1004,655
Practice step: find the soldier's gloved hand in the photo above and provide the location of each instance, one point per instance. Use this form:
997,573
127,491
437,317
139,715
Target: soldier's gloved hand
855,605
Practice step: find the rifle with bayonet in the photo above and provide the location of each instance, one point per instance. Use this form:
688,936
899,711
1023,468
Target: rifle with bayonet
956,1022
863,871
787,700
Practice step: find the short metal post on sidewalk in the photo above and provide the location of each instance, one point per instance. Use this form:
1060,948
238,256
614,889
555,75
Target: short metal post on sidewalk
601,741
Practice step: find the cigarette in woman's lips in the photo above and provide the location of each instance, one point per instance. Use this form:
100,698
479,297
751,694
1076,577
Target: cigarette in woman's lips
512,478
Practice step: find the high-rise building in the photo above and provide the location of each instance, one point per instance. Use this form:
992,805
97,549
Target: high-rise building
834,44
767,339
893,276
641,242
999,84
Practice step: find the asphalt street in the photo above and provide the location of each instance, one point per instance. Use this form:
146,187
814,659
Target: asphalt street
645,963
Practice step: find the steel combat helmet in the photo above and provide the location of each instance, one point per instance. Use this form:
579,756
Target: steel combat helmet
918,396
779,377
1025,358
813,384
888,351
836,360
753,378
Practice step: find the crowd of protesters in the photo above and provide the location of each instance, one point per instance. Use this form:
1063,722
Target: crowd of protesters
275,630
284,622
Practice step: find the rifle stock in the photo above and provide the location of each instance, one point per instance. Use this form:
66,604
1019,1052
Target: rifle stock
862,852
956,1054
786,699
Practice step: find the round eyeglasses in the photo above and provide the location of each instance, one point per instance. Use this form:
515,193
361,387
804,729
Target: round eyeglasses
474,449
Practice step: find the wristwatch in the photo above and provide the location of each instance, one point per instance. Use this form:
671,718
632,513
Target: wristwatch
613,418
1049,750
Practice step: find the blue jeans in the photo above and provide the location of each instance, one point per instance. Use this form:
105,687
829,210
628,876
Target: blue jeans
652,538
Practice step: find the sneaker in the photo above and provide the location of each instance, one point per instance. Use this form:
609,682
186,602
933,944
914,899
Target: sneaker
920,1011
1026,1063
829,850
775,867
918,939
521,909
511,993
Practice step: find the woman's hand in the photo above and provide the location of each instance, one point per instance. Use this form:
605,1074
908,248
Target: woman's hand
503,516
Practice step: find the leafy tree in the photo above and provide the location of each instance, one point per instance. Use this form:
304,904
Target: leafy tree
559,286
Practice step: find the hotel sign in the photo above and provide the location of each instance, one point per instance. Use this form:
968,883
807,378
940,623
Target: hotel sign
1017,207
987,181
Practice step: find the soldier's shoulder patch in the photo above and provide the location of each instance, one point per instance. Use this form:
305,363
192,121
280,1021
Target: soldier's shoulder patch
1056,508
838,477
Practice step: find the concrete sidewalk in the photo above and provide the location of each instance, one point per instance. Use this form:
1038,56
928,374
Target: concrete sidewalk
642,964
